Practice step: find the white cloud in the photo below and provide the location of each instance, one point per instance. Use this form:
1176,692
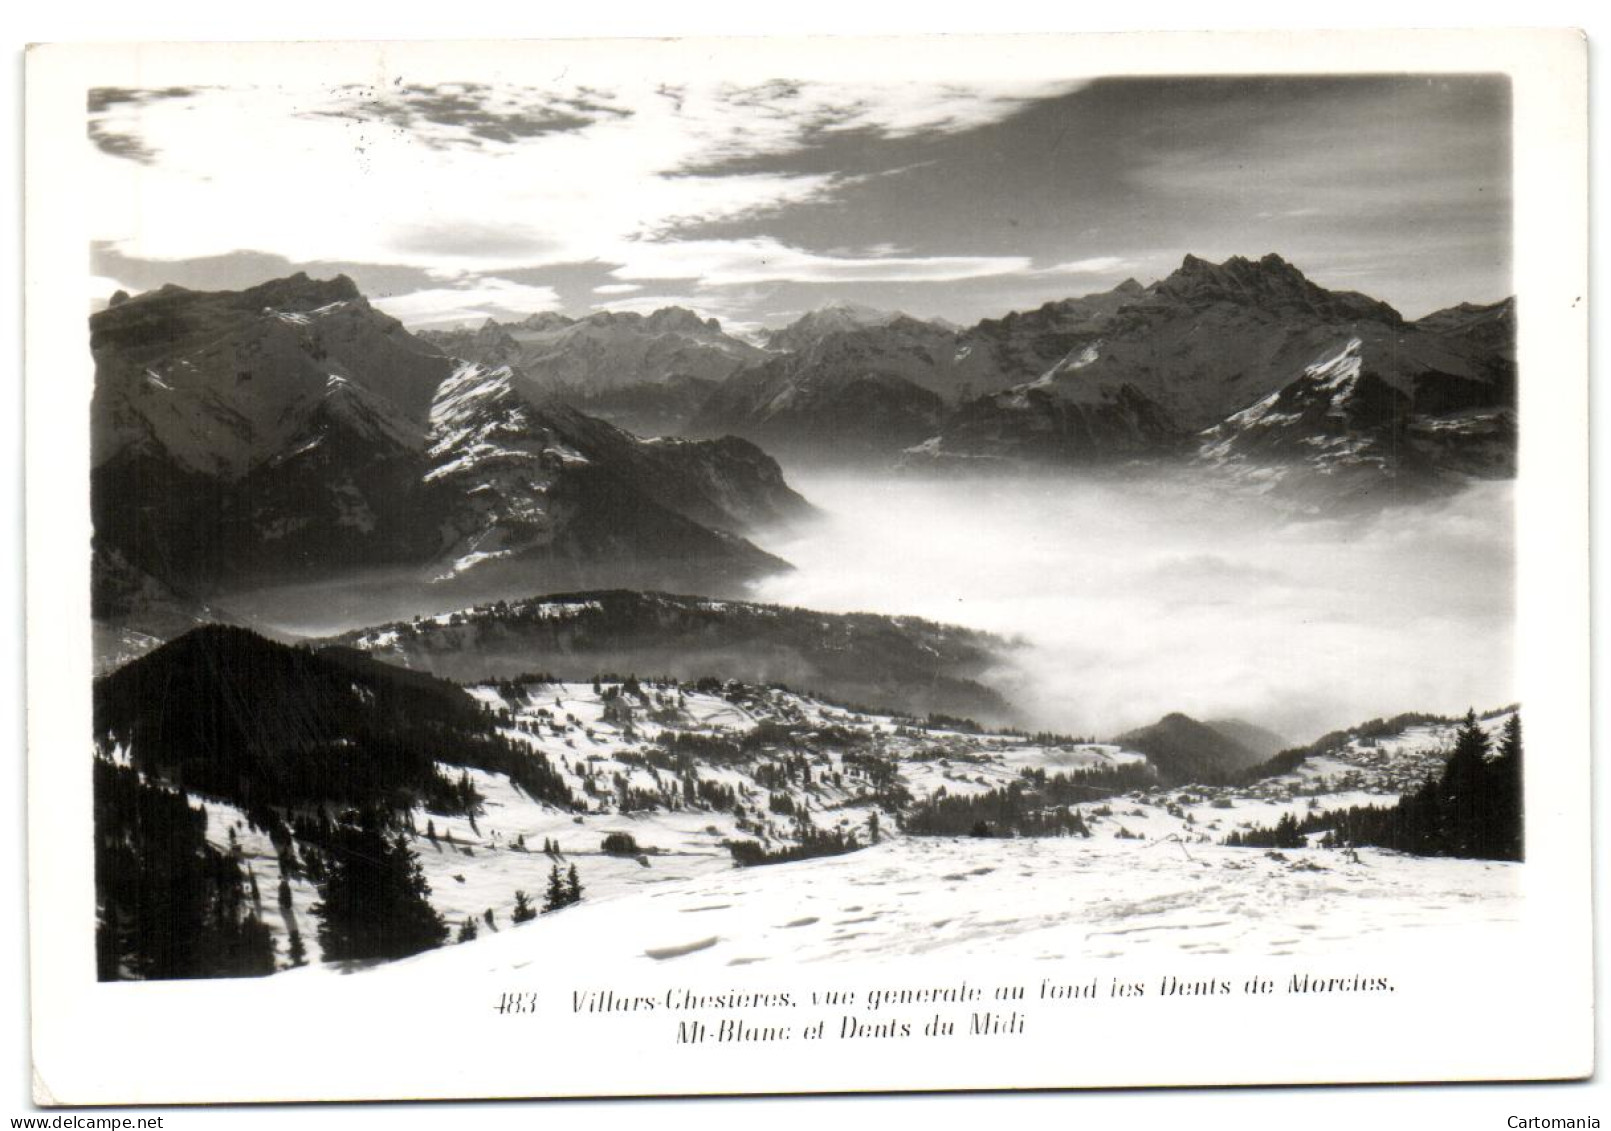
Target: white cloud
485,298
102,288
617,288
1289,214
490,180
718,263
1096,265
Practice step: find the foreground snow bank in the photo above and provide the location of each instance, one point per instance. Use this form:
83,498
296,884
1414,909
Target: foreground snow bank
1064,898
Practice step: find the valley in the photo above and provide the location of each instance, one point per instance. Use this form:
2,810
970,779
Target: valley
870,635
679,774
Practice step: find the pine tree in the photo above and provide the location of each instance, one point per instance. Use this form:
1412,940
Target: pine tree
298,951
573,886
374,902
1510,802
523,912
555,898
1462,791
467,929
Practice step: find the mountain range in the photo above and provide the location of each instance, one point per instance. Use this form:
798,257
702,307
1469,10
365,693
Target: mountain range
1245,371
291,432
647,373
1249,370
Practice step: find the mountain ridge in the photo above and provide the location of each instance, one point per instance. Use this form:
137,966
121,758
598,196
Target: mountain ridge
290,432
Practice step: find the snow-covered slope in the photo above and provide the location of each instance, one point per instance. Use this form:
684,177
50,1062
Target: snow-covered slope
535,478
1343,429
555,354
682,771
290,434
220,383
1153,875
1009,899
647,373
1365,401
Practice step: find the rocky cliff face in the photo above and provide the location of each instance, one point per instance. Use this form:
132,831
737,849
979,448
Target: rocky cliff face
850,395
537,479
643,372
291,432
277,429
1251,368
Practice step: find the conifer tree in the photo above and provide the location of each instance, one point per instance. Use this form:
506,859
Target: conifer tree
374,902
1510,803
555,898
523,912
573,886
1463,792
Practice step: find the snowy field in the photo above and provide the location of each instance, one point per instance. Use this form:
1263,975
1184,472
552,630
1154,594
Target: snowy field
1027,899
1153,876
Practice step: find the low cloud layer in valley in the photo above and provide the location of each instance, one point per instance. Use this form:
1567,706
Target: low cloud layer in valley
1139,598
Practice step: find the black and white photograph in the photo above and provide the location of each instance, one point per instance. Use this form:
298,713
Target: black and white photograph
814,567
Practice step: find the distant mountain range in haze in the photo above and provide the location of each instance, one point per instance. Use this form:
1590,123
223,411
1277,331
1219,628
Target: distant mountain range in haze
1245,369
291,432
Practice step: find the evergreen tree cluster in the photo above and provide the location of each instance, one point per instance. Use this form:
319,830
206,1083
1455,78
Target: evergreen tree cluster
812,843
1286,761
620,844
1090,784
563,890
374,901
169,905
1012,810
1474,809
223,711
1287,833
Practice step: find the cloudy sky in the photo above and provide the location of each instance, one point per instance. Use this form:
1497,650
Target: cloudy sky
755,202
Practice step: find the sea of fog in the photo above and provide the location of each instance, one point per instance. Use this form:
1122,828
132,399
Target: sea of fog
1134,599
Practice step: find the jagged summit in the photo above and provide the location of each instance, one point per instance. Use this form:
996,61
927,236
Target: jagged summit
1270,283
291,432
667,319
542,320
299,292
830,318
295,294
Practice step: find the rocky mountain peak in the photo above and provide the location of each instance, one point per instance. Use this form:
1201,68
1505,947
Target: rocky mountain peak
1271,284
545,320
298,293
677,319
666,320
